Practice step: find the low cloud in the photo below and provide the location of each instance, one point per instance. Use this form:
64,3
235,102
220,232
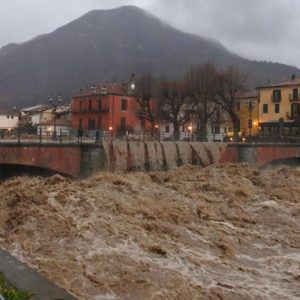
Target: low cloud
257,29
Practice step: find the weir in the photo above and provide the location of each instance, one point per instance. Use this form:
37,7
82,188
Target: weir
139,156
82,160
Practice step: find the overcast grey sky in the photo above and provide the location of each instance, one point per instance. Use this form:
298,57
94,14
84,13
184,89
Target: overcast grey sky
256,29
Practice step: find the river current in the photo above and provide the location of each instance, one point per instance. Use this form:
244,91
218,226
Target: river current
216,232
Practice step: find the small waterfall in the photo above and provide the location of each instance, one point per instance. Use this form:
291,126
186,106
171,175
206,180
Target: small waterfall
147,160
214,151
129,163
155,153
185,153
171,156
112,157
139,156
136,156
164,165
200,154
121,154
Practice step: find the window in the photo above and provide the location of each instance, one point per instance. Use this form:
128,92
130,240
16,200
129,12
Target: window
124,104
277,108
123,124
167,128
216,129
80,123
90,105
295,109
92,124
238,106
99,105
250,105
295,94
80,105
277,95
265,108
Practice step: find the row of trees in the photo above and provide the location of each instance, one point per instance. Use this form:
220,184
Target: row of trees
203,91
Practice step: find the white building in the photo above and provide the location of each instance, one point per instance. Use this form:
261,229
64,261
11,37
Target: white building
9,122
36,114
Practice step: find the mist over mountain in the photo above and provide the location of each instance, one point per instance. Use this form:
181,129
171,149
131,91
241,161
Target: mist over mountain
107,46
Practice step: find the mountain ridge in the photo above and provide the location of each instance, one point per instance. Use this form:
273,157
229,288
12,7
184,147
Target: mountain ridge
106,45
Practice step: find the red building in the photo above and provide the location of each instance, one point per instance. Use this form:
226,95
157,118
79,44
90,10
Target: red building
112,107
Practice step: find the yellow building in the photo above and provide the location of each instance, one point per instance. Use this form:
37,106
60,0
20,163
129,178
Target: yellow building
246,107
279,108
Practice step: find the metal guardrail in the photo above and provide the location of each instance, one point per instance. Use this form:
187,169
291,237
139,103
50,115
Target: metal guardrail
99,136
92,136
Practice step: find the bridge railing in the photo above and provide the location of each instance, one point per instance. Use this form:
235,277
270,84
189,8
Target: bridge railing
64,135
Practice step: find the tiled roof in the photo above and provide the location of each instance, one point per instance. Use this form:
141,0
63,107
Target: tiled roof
111,88
247,94
291,82
35,109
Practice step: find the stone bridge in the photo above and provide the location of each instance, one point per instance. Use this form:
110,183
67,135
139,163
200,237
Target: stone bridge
260,154
81,160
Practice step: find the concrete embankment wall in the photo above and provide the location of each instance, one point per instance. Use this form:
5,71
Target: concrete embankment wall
140,156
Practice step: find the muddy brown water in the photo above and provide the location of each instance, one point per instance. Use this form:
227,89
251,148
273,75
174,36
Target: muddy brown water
216,232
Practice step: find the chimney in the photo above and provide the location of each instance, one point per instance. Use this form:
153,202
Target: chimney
293,77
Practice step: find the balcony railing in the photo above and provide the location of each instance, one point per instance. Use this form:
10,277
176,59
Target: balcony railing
90,111
293,97
275,99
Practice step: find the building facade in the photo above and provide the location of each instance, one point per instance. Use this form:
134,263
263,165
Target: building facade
279,108
247,108
112,108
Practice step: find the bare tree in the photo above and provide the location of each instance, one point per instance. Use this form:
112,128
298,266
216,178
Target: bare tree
147,108
231,82
202,85
174,106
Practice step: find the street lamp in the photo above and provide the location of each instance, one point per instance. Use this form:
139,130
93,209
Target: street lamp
55,101
190,131
157,129
111,133
250,124
132,84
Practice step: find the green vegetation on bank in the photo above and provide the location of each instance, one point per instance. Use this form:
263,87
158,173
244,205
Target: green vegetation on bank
11,293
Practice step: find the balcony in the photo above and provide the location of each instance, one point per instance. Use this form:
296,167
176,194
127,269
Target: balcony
276,98
91,111
293,116
294,98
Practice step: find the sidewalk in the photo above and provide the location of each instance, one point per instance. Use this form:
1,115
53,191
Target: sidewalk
22,277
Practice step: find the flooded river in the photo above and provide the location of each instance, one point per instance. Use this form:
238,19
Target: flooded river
218,232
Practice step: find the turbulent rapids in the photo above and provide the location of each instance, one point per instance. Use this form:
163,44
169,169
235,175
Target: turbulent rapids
218,232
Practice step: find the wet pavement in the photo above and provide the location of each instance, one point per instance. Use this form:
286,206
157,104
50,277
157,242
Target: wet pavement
24,278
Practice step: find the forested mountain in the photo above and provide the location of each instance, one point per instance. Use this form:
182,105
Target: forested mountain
107,46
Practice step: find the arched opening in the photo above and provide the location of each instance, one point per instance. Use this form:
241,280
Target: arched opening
290,162
11,170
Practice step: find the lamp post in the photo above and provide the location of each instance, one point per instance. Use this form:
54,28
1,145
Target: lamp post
111,133
132,84
250,108
157,129
55,101
190,132
19,114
